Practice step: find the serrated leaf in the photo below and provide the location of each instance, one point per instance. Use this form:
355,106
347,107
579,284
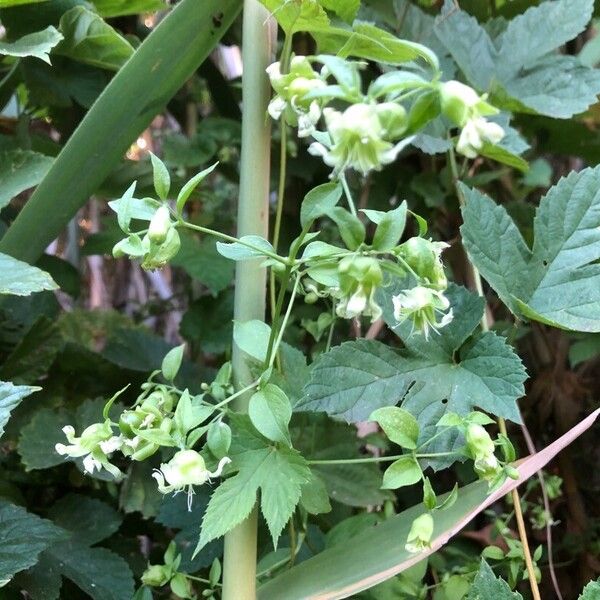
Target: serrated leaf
19,171
100,573
36,44
10,397
139,491
352,380
270,412
20,279
591,591
24,536
558,280
90,40
279,473
297,16
90,520
487,585
531,79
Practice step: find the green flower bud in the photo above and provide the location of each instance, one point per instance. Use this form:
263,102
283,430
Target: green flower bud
393,118
156,575
159,225
478,441
311,298
159,255
128,421
419,536
457,101
424,258
144,450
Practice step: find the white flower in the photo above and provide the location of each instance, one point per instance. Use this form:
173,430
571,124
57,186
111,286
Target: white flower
95,444
185,470
476,132
422,305
357,140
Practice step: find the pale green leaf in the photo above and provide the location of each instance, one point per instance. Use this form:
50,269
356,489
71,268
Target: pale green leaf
253,338
10,397
249,246
21,279
591,591
558,280
487,585
187,190
346,9
270,412
36,44
90,40
318,202
402,472
19,171
298,16
161,177
398,424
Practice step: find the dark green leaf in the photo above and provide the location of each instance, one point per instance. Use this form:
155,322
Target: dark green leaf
19,171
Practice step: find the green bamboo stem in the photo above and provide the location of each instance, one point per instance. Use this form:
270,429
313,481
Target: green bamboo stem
239,563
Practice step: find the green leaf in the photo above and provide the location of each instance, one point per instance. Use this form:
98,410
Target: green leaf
318,202
120,8
9,3
351,229
390,226
523,76
346,9
591,591
24,536
10,397
430,378
249,246
88,39
100,573
253,338
36,44
21,279
89,520
402,472
191,185
139,491
539,30
297,16
487,585
158,68
19,171
172,362
379,549
270,412
161,177
218,439
315,498
279,473
398,424
365,40
504,156
558,280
